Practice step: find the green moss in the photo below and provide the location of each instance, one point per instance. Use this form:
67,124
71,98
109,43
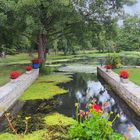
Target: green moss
45,87
36,135
58,119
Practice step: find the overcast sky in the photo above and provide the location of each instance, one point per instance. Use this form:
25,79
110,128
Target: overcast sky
133,9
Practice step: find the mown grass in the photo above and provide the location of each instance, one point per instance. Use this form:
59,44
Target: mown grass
45,87
5,71
134,74
22,58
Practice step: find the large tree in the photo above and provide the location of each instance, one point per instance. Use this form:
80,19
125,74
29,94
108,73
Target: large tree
43,21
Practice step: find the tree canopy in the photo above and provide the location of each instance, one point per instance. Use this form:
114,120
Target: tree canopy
63,23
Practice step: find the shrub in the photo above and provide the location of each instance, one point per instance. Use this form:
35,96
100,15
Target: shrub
93,126
124,74
114,60
14,74
45,70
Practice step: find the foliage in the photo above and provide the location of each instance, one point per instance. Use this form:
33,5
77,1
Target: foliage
45,87
76,24
94,127
128,36
45,70
114,60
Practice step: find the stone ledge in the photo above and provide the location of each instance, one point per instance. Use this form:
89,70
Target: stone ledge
10,92
129,92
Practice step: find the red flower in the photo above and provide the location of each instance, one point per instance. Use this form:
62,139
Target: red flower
14,74
28,68
124,74
96,107
37,61
108,66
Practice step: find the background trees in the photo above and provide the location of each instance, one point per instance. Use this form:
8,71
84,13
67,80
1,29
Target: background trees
64,25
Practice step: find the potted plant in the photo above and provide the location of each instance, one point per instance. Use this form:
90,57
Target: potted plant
35,63
124,76
108,68
14,76
28,69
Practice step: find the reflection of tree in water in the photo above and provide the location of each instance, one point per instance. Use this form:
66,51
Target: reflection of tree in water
79,82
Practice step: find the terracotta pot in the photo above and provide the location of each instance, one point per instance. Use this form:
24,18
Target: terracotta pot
125,81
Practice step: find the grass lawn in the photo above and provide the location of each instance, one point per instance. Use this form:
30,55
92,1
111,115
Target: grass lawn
134,74
5,71
22,58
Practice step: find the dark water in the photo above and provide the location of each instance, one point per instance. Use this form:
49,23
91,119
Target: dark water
81,89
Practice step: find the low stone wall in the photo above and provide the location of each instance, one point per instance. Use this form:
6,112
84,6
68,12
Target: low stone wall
10,92
129,92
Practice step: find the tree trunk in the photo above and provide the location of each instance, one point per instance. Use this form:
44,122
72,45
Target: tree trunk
41,47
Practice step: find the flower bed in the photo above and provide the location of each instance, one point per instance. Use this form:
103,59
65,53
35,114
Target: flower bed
108,68
124,76
93,124
14,75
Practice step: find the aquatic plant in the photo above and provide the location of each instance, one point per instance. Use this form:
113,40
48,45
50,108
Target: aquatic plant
46,87
13,128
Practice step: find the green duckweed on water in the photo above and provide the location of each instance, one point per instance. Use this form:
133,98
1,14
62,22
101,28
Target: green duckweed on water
36,135
51,120
54,119
45,87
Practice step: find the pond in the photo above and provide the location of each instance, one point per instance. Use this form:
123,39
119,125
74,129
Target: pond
81,89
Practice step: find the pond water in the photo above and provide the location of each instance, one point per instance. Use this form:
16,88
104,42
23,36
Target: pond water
81,89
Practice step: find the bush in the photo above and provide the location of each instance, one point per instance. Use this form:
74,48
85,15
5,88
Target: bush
94,128
45,70
114,60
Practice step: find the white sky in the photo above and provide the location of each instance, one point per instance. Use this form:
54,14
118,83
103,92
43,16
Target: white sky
133,9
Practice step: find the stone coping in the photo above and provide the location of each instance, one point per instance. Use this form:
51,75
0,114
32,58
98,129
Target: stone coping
11,91
129,92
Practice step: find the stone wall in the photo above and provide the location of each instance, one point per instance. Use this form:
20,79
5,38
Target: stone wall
129,92
10,92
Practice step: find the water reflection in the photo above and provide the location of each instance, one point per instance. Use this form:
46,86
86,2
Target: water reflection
95,90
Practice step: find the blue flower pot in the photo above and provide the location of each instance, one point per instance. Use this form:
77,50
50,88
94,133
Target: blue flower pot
35,66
